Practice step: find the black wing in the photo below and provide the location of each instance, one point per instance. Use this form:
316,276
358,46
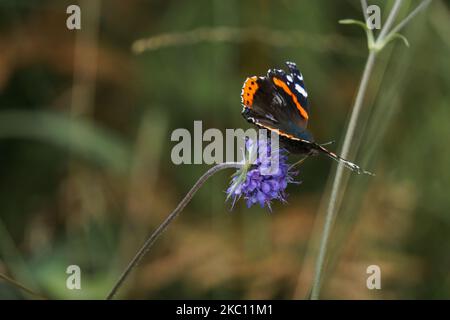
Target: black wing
278,102
273,102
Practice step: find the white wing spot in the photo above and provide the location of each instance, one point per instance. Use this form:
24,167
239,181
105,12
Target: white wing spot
289,78
301,90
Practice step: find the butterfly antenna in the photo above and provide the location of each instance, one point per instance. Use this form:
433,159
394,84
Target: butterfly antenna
299,162
348,164
327,143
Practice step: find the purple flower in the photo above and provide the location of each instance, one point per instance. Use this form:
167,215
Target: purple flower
264,179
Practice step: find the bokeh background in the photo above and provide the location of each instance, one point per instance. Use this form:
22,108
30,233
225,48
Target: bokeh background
85,169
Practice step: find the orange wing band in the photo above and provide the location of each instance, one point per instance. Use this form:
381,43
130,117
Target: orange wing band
286,89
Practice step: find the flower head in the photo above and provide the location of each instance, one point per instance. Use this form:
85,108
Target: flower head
262,178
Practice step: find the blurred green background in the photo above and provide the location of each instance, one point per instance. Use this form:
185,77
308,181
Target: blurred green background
86,174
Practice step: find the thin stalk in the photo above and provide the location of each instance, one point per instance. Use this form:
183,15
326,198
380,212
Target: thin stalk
364,10
337,182
20,286
331,212
413,13
162,227
390,20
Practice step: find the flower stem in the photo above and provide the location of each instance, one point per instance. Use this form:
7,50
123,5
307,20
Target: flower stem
390,20
162,227
331,211
337,182
21,287
413,13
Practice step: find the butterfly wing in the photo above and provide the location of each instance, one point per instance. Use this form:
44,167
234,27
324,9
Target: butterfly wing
278,102
297,85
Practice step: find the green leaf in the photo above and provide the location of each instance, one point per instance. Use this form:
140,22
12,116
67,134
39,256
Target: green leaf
370,39
398,36
352,21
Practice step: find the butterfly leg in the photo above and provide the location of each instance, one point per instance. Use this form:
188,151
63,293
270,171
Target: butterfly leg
350,165
299,162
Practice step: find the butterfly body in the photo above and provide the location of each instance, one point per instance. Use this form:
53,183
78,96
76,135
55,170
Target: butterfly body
278,102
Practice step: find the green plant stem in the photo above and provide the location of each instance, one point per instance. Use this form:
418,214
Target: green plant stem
390,20
21,287
162,227
331,212
364,10
337,182
413,13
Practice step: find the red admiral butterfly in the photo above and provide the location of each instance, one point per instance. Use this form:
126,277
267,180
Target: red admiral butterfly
279,102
